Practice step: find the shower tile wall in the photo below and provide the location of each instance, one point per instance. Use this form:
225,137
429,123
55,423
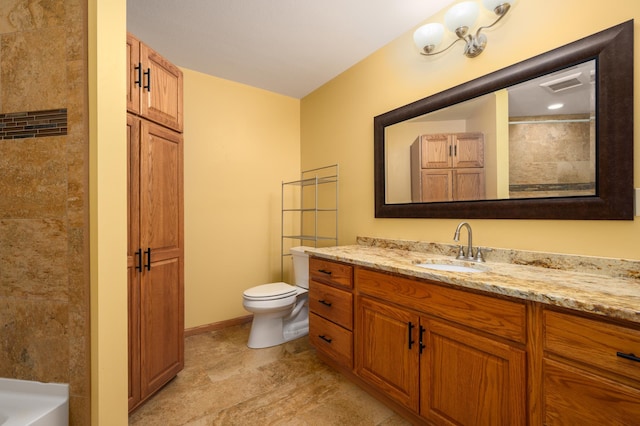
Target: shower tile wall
44,285
558,154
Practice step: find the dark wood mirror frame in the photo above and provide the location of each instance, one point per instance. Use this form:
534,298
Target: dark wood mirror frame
613,51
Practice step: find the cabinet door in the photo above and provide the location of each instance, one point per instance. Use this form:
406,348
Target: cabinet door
437,185
161,239
161,95
134,269
467,379
468,149
468,184
134,74
436,151
387,350
575,397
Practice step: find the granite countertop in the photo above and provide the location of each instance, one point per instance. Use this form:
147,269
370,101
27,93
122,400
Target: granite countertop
602,286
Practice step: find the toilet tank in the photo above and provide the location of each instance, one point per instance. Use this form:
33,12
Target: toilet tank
300,266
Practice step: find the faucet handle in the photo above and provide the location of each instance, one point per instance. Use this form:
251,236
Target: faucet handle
479,255
460,253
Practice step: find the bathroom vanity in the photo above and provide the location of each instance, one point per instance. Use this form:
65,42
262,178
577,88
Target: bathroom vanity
529,338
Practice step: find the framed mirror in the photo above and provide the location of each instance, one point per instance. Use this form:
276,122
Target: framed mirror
490,148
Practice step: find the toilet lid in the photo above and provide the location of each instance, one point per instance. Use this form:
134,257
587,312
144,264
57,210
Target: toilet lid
270,291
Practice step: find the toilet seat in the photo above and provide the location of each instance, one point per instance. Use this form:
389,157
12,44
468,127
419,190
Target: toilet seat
271,291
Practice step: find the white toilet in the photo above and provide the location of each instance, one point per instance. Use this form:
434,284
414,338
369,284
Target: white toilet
280,310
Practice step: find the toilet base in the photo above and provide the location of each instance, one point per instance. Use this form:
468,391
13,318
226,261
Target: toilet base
267,332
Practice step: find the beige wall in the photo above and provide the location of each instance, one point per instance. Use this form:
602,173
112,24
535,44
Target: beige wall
337,126
108,210
240,144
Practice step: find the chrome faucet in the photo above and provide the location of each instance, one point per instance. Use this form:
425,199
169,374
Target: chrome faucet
456,238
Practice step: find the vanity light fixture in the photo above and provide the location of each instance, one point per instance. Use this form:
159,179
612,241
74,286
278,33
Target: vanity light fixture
459,20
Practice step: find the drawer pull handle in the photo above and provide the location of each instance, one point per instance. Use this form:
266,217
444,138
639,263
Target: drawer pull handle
326,339
325,303
410,327
324,271
630,357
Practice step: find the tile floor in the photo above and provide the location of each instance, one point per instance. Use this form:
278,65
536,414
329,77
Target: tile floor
226,383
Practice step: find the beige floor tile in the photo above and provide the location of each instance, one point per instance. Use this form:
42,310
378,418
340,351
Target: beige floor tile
226,383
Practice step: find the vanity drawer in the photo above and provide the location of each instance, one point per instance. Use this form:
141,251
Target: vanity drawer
572,396
331,272
331,303
592,342
331,339
489,314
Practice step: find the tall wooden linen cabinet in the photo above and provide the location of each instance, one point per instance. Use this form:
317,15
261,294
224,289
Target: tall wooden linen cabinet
155,252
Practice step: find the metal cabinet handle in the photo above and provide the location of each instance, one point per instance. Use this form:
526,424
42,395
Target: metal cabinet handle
147,252
410,327
326,339
147,73
324,271
422,345
630,357
324,302
138,80
138,256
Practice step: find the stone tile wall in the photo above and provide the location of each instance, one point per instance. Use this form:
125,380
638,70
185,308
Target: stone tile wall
549,159
44,272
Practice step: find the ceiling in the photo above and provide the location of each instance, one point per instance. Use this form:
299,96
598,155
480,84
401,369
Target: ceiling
290,47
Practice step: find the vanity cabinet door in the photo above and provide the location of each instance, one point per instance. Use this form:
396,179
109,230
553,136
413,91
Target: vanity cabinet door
387,349
467,379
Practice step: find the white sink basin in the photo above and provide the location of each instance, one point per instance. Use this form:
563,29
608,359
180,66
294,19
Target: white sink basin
449,267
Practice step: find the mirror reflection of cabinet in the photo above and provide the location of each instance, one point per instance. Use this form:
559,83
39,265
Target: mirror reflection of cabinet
447,167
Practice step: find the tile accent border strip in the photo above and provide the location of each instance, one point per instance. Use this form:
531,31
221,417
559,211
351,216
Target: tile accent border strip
33,124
